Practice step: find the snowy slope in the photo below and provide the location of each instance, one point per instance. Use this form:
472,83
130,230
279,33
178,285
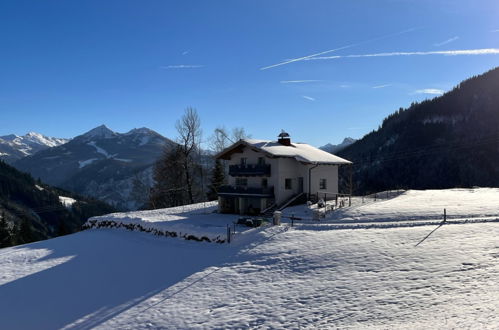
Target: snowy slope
276,277
413,206
14,147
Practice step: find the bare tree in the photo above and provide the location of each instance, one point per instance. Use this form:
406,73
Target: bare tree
220,139
239,133
189,130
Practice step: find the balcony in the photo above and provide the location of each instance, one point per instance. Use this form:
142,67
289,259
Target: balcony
249,170
246,191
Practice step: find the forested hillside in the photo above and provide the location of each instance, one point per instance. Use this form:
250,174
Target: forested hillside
449,141
31,210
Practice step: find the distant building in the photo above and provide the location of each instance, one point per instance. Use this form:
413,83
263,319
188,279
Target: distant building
266,173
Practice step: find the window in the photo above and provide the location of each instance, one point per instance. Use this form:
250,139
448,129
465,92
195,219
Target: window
264,183
243,160
261,160
323,184
287,184
241,182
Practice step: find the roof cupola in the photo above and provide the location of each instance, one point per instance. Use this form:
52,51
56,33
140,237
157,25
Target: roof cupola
284,138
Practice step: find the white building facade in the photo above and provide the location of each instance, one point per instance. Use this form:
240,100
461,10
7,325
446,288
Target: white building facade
263,174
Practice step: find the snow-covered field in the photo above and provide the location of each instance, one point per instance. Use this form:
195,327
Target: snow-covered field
410,208
189,220
273,277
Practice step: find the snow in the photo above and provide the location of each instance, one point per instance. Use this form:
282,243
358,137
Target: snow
302,152
123,160
83,163
144,140
197,219
29,143
38,138
413,205
67,201
271,277
39,187
105,153
99,149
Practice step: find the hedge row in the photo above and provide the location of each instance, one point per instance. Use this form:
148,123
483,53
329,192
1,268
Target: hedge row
137,227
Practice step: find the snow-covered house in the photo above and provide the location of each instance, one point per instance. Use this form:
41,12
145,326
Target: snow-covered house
266,173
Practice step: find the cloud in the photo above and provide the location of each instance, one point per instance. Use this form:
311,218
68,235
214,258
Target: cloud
445,42
381,86
339,48
482,51
297,81
182,66
308,98
345,86
185,52
495,30
432,91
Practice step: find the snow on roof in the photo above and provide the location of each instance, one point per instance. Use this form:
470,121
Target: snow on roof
302,152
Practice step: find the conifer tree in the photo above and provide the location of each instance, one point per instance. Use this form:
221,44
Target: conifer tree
217,180
5,236
24,233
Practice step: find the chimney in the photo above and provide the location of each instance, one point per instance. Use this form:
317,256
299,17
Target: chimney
284,139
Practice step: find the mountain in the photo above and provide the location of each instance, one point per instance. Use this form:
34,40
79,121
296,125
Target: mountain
38,211
449,141
114,167
14,147
334,148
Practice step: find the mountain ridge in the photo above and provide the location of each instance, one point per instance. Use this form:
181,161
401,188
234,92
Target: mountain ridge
448,141
114,167
14,147
334,148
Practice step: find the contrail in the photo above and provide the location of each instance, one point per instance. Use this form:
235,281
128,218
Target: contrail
448,41
340,48
483,51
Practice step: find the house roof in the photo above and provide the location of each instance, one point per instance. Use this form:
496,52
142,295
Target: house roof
302,152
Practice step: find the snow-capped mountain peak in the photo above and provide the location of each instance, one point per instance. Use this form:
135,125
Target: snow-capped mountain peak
14,147
332,148
37,138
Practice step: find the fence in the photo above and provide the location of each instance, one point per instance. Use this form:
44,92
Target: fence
331,196
383,195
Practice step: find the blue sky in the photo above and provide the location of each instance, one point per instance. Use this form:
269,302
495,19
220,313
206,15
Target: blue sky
68,66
